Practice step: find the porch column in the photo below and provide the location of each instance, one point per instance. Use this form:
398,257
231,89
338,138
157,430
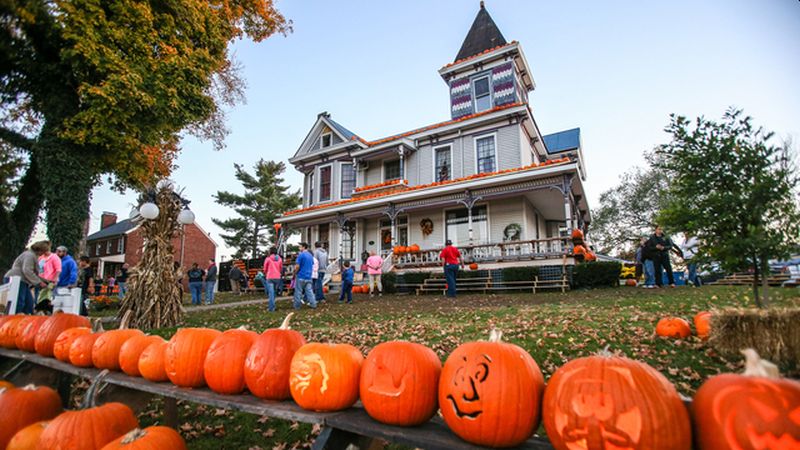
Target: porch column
402,152
341,222
469,201
566,189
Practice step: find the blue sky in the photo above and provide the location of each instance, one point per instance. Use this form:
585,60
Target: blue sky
615,69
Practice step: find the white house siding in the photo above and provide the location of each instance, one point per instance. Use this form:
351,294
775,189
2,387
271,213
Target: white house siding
502,213
532,227
526,150
415,236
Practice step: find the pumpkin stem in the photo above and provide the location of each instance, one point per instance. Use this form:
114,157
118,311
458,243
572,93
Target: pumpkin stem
495,335
123,324
285,324
243,328
97,325
89,397
133,435
754,366
605,352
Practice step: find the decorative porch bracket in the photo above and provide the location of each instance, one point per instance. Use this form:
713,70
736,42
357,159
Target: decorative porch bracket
469,201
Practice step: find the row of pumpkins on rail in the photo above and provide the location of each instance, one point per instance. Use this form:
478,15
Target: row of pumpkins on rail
489,393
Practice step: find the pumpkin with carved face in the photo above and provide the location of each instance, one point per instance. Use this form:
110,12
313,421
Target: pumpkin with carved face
490,393
751,411
324,377
398,383
610,402
673,327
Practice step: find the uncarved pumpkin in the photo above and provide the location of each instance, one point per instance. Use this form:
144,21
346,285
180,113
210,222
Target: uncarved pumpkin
27,331
52,328
325,377
607,401
9,330
185,355
64,342
702,324
80,352
267,365
224,364
28,437
473,266
20,407
88,429
151,362
399,383
673,327
490,392
131,350
105,353
754,410
630,282
6,384
151,438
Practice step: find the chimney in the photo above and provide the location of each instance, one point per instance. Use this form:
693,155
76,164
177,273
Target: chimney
107,219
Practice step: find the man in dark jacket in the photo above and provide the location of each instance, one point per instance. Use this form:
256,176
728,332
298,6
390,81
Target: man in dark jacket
210,281
659,246
235,277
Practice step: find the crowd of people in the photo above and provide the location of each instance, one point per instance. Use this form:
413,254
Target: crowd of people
653,258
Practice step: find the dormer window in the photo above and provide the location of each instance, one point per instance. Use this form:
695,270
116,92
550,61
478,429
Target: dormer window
325,140
482,93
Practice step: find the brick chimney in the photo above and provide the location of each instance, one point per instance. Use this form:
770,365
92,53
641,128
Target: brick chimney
107,219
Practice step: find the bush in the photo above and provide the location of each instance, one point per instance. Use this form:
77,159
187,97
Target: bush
519,273
596,274
389,282
471,274
415,277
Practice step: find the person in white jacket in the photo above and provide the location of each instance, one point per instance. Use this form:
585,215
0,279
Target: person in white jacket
689,247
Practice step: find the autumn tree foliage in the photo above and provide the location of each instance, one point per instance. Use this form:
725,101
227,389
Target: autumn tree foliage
94,88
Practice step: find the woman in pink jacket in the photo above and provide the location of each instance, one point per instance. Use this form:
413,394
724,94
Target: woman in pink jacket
273,267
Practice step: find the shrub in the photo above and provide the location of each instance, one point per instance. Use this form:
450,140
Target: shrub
415,277
519,273
389,282
596,274
471,274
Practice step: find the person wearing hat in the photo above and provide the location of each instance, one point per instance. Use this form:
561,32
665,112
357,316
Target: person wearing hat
451,260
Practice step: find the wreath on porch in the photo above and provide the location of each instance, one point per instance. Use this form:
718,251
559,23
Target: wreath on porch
426,225
512,232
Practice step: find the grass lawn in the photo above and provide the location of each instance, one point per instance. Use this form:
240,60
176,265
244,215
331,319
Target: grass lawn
553,327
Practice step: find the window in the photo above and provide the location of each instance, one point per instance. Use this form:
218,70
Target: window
323,234
311,188
443,163
392,170
97,250
348,180
325,183
325,140
121,245
483,96
108,247
349,241
457,228
486,154
386,233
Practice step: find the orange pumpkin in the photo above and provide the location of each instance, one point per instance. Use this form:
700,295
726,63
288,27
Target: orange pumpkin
576,233
185,355
607,401
8,331
673,327
27,330
64,342
398,250
6,384
478,383
754,410
80,352
224,364
88,429
702,323
473,266
105,352
20,407
399,383
52,328
266,367
131,350
28,437
414,248
151,438
151,362
630,282
325,377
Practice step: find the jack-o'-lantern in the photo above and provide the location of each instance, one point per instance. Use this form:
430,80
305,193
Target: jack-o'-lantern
673,327
267,365
399,382
10,329
612,402
479,381
702,323
754,410
52,328
325,377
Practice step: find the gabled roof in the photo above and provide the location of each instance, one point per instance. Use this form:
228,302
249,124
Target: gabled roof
346,134
118,228
563,141
483,35
324,120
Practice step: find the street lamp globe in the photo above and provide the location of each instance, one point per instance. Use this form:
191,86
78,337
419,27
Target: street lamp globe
186,217
149,211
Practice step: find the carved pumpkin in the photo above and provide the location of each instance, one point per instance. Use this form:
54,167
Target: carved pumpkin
52,328
185,355
105,353
27,330
702,323
28,437
80,352
224,364
399,382
64,342
151,438
131,350
151,362
673,327
325,377
473,266
607,401
478,383
88,429
8,331
754,410
266,367
20,407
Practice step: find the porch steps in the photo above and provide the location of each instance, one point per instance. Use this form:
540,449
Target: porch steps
488,284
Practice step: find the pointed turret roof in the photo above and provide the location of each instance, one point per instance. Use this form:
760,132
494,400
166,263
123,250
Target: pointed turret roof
483,35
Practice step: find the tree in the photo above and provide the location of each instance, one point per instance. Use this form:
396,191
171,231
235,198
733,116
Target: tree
264,198
735,189
108,100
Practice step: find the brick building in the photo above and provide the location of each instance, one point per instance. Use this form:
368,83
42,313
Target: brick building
118,243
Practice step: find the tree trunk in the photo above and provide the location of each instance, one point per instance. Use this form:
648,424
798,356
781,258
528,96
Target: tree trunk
765,273
755,283
17,225
254,250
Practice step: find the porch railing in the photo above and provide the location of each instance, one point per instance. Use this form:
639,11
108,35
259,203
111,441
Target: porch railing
497,252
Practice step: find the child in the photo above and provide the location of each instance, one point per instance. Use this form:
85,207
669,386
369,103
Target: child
347,283
110,283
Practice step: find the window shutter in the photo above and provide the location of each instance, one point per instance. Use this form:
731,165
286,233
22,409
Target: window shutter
503,84
460,97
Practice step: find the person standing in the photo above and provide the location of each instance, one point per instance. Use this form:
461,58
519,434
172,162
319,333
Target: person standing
347,283
660,245
321,255
25,267
85,282
195,275
122,281
304,266
273,268
689,250
110,283
50,270
69,268
211,281
647,264
375,271
451,260
235,277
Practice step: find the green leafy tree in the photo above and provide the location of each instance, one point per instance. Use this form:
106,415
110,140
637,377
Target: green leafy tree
735,189
265,197
109,85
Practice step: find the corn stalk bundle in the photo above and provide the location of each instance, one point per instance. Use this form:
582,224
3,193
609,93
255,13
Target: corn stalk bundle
154,297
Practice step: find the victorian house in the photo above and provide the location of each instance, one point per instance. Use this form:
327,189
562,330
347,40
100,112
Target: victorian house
487,178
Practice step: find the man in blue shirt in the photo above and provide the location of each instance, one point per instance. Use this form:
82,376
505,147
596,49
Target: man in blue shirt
69,268
347,283
303,269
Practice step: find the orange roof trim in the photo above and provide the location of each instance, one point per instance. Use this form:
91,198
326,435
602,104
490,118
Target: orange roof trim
488,50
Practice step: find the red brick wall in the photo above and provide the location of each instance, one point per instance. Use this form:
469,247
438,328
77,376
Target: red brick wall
107,219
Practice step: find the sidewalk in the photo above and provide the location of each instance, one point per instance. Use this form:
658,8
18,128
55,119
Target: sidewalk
193,309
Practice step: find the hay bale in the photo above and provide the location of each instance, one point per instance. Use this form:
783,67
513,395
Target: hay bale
774,333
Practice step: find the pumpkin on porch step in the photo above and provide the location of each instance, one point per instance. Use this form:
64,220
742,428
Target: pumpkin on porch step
414,248
673,327
20,407
224,364
185,355
28,437
268,363
473,266
151,438
52,328
325,377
